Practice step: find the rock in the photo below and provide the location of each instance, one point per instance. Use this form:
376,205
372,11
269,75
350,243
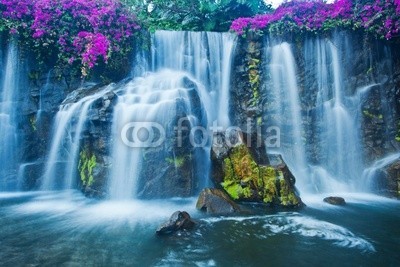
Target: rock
338,201
180,220
244,178
171,170
215,201
387,180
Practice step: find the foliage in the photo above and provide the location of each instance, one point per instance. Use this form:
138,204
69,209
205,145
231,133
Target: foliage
80,31
202,15
178,162
86,165
380,17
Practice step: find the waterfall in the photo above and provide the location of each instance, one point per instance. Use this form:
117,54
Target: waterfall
69,123
8,117
285,93
180,62
207,56
147,104
371,173
320,120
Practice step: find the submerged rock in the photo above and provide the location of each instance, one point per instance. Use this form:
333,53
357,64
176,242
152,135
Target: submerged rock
180,220
215,201
244,178
338,201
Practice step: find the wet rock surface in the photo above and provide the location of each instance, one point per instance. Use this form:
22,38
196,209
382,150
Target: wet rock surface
239,174
179,220
216,201
337,201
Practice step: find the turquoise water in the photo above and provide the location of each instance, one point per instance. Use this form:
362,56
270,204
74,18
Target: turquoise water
66,229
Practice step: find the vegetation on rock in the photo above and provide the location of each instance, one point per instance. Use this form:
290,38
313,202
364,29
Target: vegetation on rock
86,165
245,180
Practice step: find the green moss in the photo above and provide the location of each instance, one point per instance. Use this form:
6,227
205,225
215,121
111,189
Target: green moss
86,165
259,121
32,121
372,116
245,180
241,173
234,190
397,138
177,161
268,177
254,76
288,198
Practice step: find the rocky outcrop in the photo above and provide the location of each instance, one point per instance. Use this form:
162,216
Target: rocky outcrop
180,220
237,172
337,201
172,169
216,201
388,180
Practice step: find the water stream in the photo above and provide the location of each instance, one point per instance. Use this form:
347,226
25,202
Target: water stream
9,93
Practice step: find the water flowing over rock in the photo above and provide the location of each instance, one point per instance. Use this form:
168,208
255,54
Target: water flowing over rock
323,101
329,106
10,88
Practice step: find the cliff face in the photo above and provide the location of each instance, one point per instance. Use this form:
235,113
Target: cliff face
343,80
369,91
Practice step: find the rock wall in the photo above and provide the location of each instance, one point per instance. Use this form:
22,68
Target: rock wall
370,61
365,60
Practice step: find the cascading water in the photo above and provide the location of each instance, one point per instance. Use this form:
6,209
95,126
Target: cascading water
8,118
207,56
152,101
204,59
332,159
287,101
62,162
371,173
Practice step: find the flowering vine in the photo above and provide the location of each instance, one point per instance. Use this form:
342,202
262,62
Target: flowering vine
380,17
83,31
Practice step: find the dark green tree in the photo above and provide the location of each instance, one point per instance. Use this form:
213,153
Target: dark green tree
201,15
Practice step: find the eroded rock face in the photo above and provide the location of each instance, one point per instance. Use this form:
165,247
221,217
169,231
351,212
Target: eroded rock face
388,180
172,169
216,201
244,179
94,166
180,220
338,201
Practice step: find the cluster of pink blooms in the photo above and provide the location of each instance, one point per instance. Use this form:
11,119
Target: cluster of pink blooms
379,16
80,29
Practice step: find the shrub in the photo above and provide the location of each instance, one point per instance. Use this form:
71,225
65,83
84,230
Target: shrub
380,17
83,31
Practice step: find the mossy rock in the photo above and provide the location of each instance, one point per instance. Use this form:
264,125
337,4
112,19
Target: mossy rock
86,165
245,180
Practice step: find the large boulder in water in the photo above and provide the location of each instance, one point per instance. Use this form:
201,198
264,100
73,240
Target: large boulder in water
180,220
243,178
215,201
